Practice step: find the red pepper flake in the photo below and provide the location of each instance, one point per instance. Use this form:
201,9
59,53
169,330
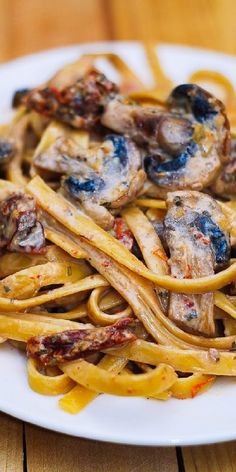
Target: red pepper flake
123,233
188,274
54,91
198,387
67,211
161,254
106,264
188,302
204,240
199,235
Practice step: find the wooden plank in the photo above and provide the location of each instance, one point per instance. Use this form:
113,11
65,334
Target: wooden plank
27,26
51,452
4,29
214,458
40,24
206,23
11,444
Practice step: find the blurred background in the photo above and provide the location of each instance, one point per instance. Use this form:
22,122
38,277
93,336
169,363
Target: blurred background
31,25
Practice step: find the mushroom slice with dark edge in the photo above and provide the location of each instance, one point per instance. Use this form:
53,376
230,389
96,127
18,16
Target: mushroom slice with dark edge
7,150
116,182
20,230
62,157
75,344
225,183
100,178
232,288
198,241
18,97
198,164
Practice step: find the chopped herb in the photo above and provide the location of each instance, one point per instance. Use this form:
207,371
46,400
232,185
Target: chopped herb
229,178
6,288
69,271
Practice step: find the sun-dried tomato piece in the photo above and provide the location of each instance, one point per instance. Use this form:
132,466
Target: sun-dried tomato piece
79,105
78,343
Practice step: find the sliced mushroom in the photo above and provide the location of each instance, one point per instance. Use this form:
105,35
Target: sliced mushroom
203,109
19,96
105,176
7,150
140,123
232,288
195,232
197,165
225,184
153,127
174,134
116,181
61,157
20,229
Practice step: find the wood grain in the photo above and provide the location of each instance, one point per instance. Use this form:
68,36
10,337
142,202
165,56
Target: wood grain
51,452
5,28
215,458
27,26
11,444
40,24
207,23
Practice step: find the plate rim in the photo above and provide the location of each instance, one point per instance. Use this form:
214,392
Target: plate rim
117,439
33,55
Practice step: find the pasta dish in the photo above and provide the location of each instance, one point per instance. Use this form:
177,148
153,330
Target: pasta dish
118,233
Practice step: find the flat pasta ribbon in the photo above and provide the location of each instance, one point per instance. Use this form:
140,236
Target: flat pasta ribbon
98,316
79,397
27,282
88,283
102,381
210,362
45,384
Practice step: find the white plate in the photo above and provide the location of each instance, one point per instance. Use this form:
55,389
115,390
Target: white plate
211,417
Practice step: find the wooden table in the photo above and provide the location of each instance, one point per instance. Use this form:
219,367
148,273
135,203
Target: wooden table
30,25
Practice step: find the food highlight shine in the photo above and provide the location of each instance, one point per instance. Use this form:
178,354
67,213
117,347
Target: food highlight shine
117,235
